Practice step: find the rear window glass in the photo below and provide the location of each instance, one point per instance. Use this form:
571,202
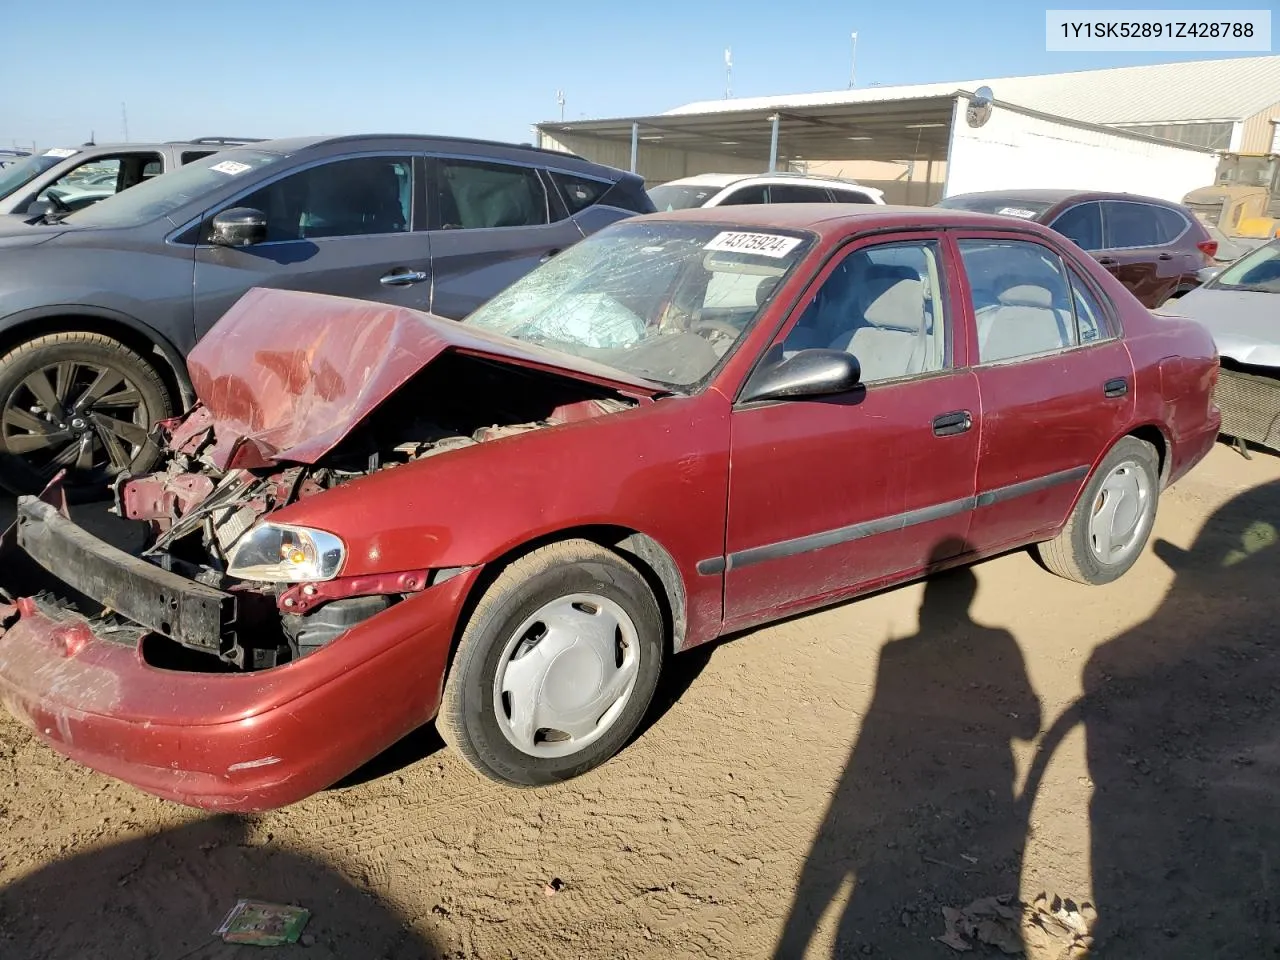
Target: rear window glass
471,195
1006,206
579,192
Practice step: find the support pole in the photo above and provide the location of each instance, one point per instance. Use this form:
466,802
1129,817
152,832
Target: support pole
773,144
928,181
635,144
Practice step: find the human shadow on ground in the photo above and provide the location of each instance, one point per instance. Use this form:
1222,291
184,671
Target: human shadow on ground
924,814
1181,716
160,897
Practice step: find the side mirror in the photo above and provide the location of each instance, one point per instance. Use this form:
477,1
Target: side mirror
1205,274
239,227
807,373
39,208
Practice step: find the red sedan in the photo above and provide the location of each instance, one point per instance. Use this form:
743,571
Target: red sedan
685,425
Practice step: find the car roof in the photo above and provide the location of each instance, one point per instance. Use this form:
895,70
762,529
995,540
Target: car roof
728,179
1059,196
835,218
431,142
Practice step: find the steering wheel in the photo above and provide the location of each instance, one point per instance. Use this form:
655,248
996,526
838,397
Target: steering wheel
703,327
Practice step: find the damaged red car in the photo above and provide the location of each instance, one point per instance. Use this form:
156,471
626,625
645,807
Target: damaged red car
686,425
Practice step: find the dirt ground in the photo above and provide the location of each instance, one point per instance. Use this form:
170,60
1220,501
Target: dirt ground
819,788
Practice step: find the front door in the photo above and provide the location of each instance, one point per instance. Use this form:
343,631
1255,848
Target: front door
1056,384
827,496
343,227
492,223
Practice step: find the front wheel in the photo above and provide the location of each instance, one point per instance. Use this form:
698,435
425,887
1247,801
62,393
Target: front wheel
1112,520
556,666
79,402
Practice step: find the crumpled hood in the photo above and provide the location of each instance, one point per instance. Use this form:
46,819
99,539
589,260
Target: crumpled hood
293,373
1245,324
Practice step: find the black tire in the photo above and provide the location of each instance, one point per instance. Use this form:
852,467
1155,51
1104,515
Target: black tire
71,368
1070,554
468,720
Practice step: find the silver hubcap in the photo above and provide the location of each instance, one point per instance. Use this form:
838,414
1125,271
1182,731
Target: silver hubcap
565,675
1121,513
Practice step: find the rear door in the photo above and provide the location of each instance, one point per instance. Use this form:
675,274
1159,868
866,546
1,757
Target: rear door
341,226
831,495
491,223
1132,251
1056,383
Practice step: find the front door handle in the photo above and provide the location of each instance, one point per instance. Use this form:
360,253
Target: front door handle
1115,388
402,278
1165,256
950,424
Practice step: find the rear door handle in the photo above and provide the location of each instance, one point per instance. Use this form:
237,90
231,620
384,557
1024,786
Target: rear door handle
1115,388
950,424
1165,256
402,278
1107,261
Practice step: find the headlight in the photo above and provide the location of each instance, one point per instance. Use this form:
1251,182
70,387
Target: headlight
282,554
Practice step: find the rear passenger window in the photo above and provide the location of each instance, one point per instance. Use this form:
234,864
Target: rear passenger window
1082,225
850,196
1170,224
189,155
578,192
793,193
884,305
1131,225
1021,300
471,195
1090,320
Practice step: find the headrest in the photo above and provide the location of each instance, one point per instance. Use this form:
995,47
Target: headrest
1026,295
900,307
891,272
765,288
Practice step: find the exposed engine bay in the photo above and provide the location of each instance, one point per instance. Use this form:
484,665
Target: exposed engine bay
197,512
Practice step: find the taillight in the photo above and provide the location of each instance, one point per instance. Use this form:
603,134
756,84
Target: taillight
1209,248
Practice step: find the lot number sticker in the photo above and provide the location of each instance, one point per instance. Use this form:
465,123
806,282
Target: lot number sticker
1022,212
61,152
764,244
230,167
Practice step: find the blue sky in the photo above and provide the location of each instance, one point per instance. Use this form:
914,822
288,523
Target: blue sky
487,69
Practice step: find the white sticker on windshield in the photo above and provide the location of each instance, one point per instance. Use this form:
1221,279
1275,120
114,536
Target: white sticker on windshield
764,244
62,152
1017,212
230,167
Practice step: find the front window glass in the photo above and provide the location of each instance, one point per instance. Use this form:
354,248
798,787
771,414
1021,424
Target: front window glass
673,196
1258,272
160,196
27,169
1082,225
662,301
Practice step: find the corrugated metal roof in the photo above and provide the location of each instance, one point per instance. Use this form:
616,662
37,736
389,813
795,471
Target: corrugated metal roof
1231,89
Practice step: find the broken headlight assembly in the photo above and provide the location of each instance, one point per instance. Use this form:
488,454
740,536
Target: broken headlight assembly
277,553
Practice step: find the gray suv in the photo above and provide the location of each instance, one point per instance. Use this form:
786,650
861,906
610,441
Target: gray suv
99,308
63,179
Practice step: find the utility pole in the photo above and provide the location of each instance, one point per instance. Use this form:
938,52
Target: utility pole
124,121
560,101
728,73
853,67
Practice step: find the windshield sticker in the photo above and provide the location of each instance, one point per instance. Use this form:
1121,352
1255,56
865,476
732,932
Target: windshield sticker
1017,212
763,244
61,152
230,167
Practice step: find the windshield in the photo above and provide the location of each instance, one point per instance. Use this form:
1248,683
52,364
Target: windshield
658,300
27,169
162,195
1004,206
1258,272
674,196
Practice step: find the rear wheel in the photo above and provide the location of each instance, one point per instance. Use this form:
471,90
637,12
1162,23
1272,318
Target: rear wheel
1112,521
556,666
80,402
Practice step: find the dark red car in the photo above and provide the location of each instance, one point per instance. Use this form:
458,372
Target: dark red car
1152,246
686,425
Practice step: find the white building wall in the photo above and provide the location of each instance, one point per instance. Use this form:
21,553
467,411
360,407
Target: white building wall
1015,150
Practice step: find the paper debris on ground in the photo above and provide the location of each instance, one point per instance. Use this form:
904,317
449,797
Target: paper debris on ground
1048,928
263,924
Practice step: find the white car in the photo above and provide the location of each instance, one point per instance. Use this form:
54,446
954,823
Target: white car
723,189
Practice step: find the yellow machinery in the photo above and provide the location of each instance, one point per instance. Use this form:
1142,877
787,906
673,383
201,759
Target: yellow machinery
1245,199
